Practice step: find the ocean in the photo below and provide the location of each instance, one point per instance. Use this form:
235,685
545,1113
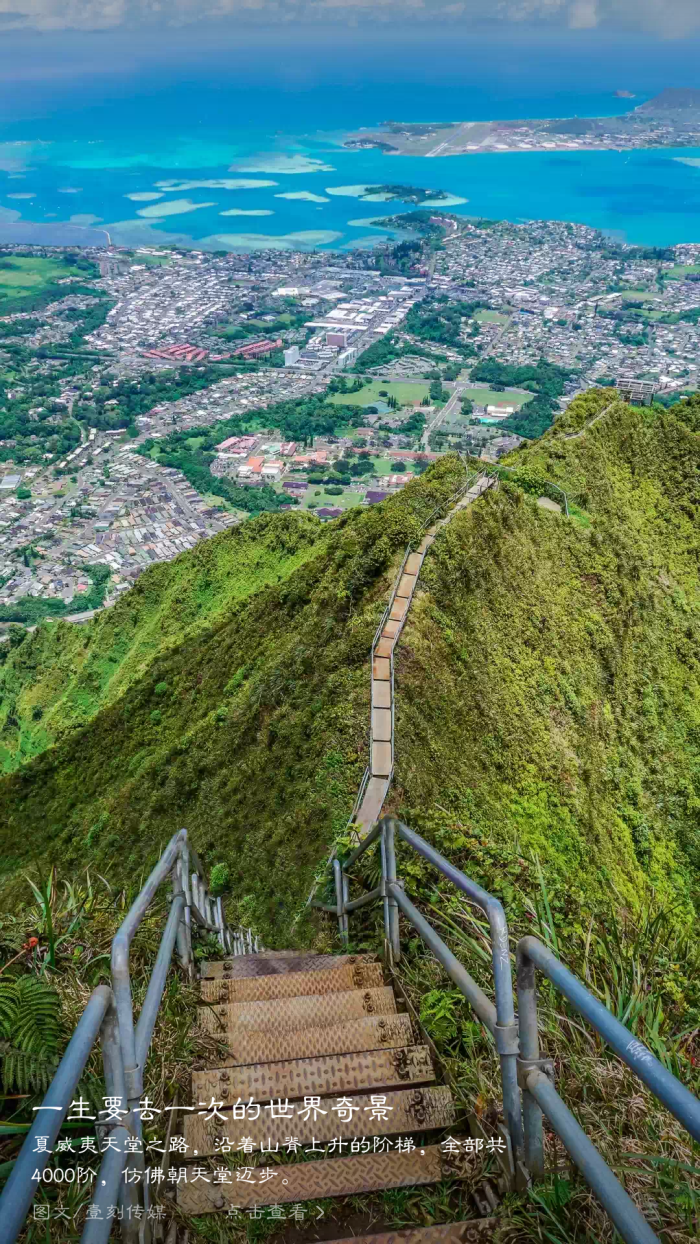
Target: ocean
222,160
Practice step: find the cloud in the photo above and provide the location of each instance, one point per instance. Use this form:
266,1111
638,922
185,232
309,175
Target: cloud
669,18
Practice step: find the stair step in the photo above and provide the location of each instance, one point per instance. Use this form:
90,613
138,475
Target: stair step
413,563
347,1073
406,586
372,1033
243,966
471,1232
399,609
290,1014
294,984
308,1181
371,807
403,1112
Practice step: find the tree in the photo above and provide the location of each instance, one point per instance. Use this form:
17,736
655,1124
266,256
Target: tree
398,467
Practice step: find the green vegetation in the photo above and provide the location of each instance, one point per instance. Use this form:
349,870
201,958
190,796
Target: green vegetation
32,609
28,283
441,320
678,271
138,397
20,328
406,194
299,419
71,672
557,725
546,380
271,622
406,393
490,317
228,691
385,351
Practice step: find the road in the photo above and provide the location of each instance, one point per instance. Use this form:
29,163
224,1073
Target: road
441,414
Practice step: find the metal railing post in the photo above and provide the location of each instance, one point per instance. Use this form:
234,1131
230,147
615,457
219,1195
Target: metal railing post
669,1090
385,896
183,949
506,1033
340,905
390,853
533,1136
633,1227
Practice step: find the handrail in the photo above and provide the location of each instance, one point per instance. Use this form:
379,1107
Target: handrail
531,954
499,466
19,1190
516,1040
109,1016
500,1020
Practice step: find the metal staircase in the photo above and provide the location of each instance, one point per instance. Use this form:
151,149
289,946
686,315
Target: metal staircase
338,1070
326,1086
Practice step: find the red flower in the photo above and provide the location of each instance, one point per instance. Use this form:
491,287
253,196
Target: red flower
33,941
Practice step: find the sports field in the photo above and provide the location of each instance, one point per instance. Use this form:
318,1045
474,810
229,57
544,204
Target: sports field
490,317
20,274
406,392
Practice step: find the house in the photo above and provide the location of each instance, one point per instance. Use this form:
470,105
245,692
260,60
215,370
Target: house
372,497
272,470
326,512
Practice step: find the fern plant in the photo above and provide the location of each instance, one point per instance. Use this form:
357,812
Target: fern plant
30,1033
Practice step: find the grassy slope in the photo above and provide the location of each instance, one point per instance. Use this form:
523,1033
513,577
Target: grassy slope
548,688
64,674
258,742
551,673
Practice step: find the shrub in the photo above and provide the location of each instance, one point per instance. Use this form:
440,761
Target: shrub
156,716
219,879
160,688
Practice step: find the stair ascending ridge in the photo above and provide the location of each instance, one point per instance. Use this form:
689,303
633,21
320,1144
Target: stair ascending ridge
325,1029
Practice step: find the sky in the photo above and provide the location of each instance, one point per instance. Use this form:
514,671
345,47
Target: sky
666,18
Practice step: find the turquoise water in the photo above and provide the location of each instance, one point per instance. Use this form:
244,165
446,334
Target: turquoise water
262,166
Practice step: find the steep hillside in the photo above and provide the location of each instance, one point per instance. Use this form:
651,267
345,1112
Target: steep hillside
251,730
548,688
548,691
57,680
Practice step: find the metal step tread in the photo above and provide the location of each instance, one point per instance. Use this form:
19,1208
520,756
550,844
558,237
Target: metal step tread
300,1077
243,966
372,1032
385,1114
289,1014
294,984
308,1181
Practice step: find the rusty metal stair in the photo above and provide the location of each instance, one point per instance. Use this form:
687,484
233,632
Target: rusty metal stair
317,1052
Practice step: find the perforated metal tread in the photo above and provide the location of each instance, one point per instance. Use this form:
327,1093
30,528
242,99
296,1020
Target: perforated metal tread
333,1177
370,1033
288,1014
243,966
300,1077
403,1112
294,984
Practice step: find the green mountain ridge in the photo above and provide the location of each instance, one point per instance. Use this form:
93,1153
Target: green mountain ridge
547,684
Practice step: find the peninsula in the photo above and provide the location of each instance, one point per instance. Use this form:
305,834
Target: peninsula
671,119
